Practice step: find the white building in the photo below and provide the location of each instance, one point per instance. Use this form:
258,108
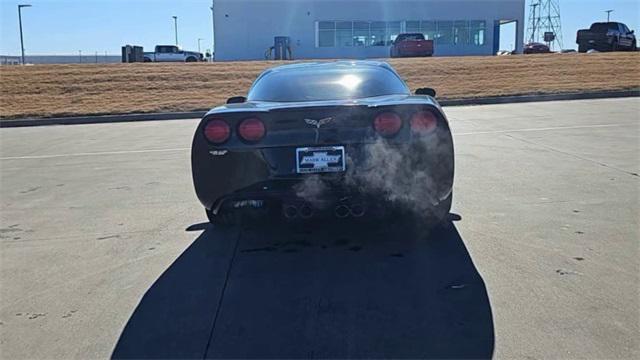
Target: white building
245,29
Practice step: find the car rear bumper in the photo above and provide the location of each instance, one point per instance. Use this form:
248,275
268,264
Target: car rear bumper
415,174
281,198
331,193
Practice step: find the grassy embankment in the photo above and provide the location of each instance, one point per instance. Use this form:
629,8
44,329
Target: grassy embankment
85,89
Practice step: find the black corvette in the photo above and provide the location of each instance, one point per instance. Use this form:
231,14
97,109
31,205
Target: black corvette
344,139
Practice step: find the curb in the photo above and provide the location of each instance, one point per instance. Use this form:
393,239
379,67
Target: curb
102,119
541,98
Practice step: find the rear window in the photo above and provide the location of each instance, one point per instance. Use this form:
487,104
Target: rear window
329,83
604,27
402,37
166,49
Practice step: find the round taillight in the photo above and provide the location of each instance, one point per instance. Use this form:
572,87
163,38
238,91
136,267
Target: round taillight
217,131
251,129
423,122
387,123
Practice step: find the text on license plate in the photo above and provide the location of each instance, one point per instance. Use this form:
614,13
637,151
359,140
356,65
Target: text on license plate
320,159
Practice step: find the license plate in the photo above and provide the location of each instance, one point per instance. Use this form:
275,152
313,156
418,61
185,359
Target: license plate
320,159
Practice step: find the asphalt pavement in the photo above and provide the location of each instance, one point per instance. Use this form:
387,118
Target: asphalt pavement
105,250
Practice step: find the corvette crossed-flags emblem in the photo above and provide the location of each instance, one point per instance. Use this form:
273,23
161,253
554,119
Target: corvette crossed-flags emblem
318,123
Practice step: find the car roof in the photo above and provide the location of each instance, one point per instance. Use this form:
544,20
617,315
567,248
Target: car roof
610,23
329,65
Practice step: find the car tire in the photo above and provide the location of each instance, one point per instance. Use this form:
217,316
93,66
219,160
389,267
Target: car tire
147,60
222,219
583,48
443,210
191,59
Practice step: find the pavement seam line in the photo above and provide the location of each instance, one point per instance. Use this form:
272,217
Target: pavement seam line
573,155
224,288
121,152
124,152
542,129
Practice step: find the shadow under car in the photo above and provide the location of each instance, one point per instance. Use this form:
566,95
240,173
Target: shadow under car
325,291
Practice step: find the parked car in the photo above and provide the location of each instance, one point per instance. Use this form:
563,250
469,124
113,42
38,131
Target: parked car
316,140
411,44
172,53
536,48
606,36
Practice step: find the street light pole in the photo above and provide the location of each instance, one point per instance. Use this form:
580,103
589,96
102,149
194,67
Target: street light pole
20,22
608,14
199,39
175,23
213,31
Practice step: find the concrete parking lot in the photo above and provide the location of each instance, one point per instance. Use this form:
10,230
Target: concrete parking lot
104,250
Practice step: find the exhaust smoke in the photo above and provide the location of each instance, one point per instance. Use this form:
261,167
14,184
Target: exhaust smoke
413,177
402,174
313,190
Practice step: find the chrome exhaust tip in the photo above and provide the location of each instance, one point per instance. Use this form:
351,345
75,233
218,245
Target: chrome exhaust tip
357,210
290,211
305,211
342,211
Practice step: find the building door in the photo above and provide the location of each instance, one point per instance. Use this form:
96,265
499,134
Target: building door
505,35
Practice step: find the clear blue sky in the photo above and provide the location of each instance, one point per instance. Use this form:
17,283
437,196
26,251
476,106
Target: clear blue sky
66,26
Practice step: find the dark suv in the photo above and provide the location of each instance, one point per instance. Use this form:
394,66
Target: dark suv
606,36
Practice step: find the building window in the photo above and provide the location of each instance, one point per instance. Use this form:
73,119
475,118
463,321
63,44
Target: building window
461,32
444,35
383,33
477,32
361,35
344,33
429,29
378,33
393,29
326,34
412,26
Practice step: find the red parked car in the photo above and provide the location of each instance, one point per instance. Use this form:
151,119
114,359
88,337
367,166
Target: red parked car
411,44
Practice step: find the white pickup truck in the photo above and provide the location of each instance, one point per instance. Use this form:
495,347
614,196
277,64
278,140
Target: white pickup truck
172,53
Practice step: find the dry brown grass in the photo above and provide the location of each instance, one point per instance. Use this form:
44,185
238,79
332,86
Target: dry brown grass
63,90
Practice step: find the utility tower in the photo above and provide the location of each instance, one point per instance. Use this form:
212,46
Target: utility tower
544,17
